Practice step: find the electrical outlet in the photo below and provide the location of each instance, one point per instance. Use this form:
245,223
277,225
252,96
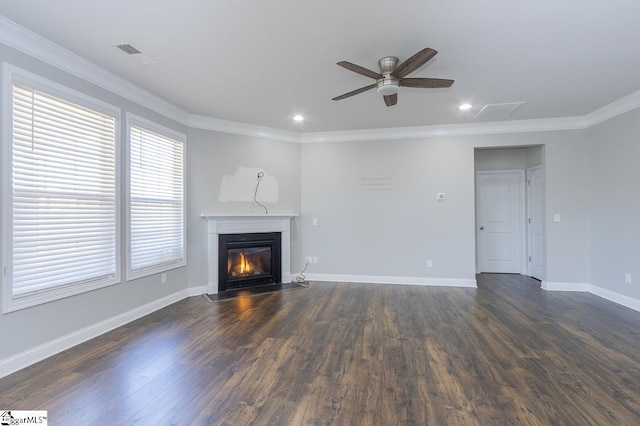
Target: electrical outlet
429,263
315,260
627,278
308,259
163,278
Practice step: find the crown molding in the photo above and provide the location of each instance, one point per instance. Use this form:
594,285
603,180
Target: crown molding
226,126
34,45
465,129
615,108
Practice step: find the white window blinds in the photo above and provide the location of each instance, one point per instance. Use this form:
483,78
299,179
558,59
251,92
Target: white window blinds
63,192
156,202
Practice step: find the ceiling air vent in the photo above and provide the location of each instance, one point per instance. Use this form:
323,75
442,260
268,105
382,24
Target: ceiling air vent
498,111
128,49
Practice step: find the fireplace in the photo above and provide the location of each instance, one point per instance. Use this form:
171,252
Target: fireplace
249,259
220,225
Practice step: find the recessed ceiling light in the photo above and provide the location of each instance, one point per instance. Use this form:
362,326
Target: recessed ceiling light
464,107
298,117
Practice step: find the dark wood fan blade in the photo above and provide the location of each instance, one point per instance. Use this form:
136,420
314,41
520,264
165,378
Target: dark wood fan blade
428,83
354,92
360,70
414,62
391,100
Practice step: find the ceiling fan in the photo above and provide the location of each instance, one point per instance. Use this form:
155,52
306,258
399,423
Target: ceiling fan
392,76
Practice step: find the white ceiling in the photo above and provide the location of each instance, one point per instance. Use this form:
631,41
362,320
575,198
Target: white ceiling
260,62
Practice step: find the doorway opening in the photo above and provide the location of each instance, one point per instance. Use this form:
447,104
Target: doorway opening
510,234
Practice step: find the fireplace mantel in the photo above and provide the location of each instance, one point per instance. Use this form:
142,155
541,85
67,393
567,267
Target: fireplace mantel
244,224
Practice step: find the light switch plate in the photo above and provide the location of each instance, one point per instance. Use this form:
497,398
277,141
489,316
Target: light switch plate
556,217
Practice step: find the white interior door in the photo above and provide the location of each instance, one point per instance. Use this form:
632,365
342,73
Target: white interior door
535,223
500,221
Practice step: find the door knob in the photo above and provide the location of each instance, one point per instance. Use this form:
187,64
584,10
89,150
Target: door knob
482,228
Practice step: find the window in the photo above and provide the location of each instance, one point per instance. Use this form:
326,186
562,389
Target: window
156,211
60,192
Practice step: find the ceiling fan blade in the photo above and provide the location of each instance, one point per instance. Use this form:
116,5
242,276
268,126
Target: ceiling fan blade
414,62
427,83
391,100
354,92
360,70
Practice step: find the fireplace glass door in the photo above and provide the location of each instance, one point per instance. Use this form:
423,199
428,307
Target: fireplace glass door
248,262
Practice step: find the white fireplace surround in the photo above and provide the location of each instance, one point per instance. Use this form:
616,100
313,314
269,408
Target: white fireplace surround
246,224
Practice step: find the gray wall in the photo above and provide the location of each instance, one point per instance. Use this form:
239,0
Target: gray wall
389,230
613,182
566,195
534,156
30,327
508,158
392,233
211,156
501,159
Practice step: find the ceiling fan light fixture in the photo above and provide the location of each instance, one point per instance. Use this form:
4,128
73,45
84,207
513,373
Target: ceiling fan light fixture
388,86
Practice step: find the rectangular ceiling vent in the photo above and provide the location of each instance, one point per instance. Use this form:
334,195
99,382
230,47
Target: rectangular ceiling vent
128,49
498,111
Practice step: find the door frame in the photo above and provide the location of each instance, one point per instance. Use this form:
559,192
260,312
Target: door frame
522,229
530,209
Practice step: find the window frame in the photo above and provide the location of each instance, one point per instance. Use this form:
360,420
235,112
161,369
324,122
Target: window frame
135,120
13,75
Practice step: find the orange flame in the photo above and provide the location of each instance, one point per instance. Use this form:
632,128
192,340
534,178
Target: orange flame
245,265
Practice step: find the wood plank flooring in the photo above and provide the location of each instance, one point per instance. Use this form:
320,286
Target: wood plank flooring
353,354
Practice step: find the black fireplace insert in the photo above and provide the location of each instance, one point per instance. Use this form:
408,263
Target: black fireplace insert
248,260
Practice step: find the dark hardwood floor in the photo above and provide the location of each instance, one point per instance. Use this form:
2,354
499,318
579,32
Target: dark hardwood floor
506,353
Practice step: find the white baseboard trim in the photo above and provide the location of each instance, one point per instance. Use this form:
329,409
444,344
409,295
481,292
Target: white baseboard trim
197,291
609,295
563,286
31,356
618,298
377,279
